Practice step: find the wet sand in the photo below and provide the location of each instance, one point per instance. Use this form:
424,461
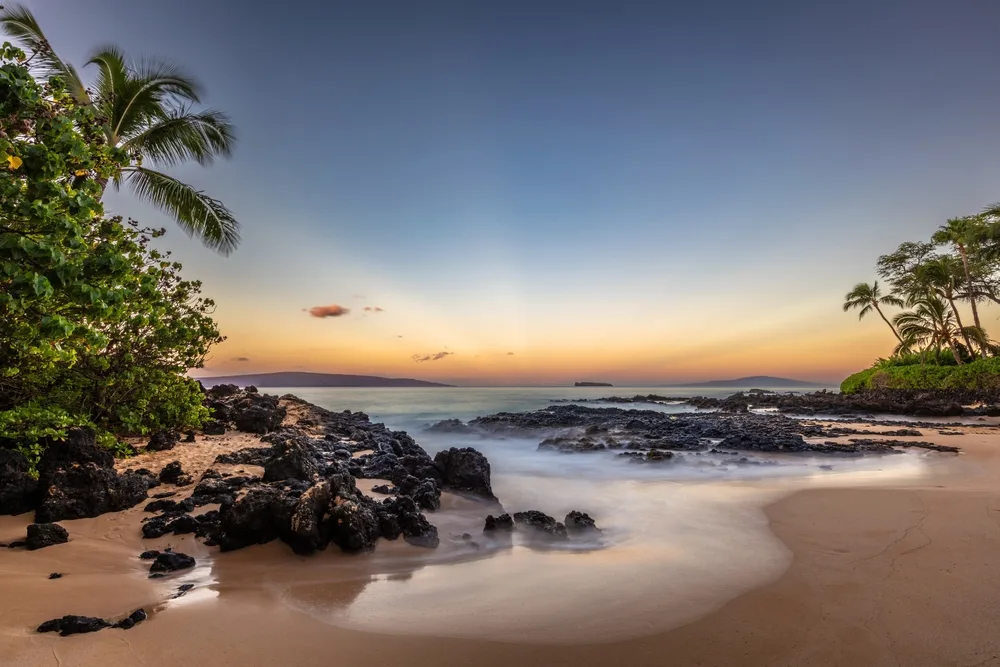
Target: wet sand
905,573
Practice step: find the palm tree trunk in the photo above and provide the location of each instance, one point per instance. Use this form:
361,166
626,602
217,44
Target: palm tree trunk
958,320
887,322
972,299
954,351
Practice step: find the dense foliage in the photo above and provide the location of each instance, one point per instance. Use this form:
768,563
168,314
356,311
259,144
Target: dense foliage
96,326
147,110
933,281
982,374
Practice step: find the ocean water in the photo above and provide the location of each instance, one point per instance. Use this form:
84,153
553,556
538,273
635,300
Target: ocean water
679,539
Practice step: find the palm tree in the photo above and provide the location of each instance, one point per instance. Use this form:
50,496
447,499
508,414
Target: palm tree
869,297
932,323
940,276
962,233
147,111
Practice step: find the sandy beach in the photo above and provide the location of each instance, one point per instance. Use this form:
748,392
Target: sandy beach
901,573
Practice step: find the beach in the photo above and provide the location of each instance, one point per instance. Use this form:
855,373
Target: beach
874,571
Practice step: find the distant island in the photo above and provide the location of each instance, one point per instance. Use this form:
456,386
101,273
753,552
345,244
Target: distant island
593,384
754,381
302,379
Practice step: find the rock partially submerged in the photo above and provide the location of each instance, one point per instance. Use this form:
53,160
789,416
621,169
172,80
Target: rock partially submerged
537,526
170,561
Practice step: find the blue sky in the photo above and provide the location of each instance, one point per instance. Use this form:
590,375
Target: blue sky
630,191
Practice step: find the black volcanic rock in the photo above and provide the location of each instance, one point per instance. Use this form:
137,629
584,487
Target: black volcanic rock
73,625
18,489
41,535
465,470
163,440
171,561
78,480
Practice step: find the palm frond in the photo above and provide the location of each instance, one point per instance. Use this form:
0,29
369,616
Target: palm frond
198,214
18,22
184,136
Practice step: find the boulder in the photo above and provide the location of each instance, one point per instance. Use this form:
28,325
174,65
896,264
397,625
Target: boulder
497,524
18,489
171,561
41,535
353,526
294,462
171,473
465,470
78,480
424,492
163,440
307,532
130,621
262,515
539,524
579,524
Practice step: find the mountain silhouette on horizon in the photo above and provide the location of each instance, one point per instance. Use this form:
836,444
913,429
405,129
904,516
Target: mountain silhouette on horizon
754,381
306,379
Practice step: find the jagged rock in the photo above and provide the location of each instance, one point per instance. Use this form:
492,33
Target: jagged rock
465,470
171,561
453,426
580,524
78,480
41,535
149,555
307,531
168,505
537,524
502,523
262,515
73,625
171,473
353,526
294,462
254,456
424,492
18,489
384,488
56,575
163,440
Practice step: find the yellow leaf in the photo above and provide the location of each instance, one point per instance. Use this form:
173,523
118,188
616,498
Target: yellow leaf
80,172
13,162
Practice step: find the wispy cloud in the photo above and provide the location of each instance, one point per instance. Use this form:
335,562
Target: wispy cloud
431,357
328,311
241,358
374,309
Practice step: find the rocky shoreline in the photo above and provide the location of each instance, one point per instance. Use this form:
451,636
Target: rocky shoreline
909,402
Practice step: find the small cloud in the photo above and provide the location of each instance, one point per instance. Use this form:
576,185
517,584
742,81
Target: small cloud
374,309
328,311
431,357
241,358
510,354
398,336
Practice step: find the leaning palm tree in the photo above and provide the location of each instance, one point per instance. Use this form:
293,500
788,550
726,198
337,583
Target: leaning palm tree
941,276
932,324
869,297
146,107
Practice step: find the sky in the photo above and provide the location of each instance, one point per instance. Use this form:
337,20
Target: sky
543,192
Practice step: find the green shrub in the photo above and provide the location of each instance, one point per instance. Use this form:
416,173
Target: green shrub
982,374
96,326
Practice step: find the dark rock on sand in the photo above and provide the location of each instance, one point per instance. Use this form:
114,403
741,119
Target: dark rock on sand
465,470
18,489
149,555
41,535
425,492
56,575
78,480
214,427
130,621
171,561
169,505
171,473
384,488
254,456
262,515
74,625
163,440
294,462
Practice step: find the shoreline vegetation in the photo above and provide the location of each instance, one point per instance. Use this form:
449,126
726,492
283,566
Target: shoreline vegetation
938,286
